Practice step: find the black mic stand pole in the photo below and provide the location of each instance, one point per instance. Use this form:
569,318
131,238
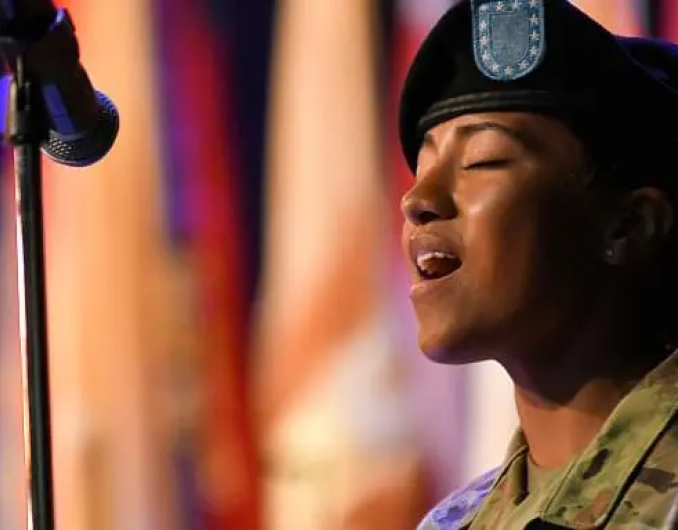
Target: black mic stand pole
26,130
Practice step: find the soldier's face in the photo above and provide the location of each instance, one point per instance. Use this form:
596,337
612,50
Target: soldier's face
499,233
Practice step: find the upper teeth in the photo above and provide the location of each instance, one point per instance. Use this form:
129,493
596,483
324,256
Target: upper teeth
424,257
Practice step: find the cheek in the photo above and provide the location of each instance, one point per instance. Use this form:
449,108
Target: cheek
527,254
502,241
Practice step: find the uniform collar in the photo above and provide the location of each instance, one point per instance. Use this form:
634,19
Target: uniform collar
580,500
583,501
509,483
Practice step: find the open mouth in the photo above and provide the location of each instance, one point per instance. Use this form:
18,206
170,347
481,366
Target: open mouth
436,264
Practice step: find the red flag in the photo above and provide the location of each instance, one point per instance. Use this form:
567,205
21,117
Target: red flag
205,151
668,20
334,422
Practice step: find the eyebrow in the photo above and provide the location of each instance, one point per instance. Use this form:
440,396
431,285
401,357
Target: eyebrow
466,131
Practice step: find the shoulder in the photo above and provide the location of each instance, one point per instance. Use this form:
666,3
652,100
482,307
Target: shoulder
457,509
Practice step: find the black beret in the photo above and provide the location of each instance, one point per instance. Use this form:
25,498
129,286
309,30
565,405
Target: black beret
541,56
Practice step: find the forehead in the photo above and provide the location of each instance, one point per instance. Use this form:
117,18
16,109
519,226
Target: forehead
535,131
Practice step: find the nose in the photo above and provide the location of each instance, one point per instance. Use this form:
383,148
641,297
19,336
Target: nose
426,202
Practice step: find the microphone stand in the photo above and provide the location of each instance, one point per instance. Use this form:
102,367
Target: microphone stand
27,129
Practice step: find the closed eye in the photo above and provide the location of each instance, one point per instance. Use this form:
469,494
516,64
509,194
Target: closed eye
488,164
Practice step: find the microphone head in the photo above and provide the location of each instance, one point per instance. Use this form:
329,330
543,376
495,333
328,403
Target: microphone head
87,148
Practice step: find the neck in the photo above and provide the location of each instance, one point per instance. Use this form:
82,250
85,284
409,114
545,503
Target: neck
564,394
556,433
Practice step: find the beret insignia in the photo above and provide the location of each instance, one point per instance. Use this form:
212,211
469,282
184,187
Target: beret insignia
508,37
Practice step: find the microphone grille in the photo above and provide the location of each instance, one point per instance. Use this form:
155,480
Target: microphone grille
86,149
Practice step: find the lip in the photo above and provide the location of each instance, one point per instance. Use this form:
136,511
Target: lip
428,242
421,287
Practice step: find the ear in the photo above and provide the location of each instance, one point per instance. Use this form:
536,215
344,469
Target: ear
639,223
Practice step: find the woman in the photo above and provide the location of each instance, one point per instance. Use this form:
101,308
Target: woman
541,234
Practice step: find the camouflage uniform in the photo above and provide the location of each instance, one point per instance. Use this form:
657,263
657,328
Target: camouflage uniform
625,479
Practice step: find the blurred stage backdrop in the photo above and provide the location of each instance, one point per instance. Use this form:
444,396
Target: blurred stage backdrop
231,341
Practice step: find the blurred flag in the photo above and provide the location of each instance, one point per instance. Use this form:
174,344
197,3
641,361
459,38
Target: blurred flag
214,448
14,478
625,17
334,423
667,20
104,248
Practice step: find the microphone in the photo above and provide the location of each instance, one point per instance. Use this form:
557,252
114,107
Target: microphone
51,106
82,122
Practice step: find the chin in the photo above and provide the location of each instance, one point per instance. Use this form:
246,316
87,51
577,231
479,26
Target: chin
451,347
